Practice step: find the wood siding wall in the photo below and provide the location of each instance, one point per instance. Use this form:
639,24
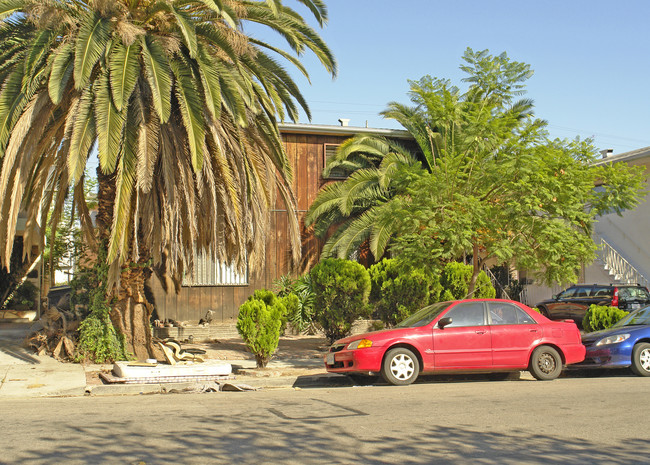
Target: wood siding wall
306,154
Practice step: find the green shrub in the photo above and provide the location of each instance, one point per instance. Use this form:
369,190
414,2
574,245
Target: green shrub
98,340
341,289
455,279
301,313
397,291
600,317
259,323
25,297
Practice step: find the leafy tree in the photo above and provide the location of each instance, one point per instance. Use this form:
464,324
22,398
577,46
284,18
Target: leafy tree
180,104
490,183
341,289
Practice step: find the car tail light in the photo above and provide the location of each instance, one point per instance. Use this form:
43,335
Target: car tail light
615,298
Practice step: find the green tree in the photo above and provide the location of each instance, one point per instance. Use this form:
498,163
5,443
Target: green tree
490,183
180,103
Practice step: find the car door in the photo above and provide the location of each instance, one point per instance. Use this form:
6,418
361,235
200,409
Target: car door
465,343
513,334
580,302
558,309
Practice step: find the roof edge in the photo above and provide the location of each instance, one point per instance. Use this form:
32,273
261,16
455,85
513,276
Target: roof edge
625,156
331,130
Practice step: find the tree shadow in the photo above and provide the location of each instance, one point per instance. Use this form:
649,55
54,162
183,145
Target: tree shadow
288,432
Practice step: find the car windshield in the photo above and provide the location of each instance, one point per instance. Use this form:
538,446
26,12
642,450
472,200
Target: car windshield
638,317
424,316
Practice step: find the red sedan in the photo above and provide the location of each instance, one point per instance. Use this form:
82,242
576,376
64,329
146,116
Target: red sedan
486,335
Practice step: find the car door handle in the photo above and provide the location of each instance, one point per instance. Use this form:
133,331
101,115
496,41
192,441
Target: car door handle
480,331
532,330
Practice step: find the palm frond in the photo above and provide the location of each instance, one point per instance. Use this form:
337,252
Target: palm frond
158,76
91,43
109,123
190,106
124,67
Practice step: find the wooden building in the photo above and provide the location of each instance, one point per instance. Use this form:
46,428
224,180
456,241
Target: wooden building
219,288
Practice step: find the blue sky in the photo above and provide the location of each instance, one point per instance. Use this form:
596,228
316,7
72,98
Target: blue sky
591,59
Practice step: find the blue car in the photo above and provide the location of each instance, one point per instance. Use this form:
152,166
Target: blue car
626,344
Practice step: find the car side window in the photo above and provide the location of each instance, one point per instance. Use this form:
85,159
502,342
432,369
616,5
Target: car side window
582,292
602,291
502,313
466,314
524,318
567,293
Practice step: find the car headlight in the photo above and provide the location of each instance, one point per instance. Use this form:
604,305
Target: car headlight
613,339
360,344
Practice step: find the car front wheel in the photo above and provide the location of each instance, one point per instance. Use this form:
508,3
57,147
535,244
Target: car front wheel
641,359
545,363
400,367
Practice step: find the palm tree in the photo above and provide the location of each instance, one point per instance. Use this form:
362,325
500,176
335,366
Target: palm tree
355,205
181,106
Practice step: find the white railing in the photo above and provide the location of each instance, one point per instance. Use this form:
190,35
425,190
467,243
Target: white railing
618,267
495,282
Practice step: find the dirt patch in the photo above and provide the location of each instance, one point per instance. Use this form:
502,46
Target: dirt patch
289,348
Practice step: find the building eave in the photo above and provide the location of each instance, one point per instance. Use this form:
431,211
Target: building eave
331,130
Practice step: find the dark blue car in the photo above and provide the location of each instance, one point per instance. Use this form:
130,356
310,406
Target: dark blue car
626,344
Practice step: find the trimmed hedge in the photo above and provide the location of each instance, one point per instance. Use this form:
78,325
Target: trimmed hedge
397,292
341,289
259,324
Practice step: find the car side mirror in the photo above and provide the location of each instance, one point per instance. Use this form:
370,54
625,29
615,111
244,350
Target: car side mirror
442,322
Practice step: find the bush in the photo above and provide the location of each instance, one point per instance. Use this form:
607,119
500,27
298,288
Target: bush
259,323
25,297
455,279
396,291
600,317
341,289
300,313
98,340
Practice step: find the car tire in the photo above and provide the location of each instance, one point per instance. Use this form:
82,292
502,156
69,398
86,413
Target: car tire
400,367
641,359
545,363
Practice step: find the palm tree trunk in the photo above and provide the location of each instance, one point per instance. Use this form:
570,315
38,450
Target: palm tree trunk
131,310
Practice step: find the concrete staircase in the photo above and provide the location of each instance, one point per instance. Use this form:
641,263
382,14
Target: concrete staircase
618,268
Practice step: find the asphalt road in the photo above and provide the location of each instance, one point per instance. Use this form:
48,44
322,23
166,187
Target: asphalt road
567,421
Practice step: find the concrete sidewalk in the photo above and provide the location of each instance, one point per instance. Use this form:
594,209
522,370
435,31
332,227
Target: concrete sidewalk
24,374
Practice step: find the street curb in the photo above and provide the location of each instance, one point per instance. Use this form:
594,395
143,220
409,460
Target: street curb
276,382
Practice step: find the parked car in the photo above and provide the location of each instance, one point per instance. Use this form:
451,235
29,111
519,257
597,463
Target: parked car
625,344
483,335
573,302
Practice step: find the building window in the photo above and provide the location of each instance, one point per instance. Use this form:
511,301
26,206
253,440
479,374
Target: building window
329,150
208,272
